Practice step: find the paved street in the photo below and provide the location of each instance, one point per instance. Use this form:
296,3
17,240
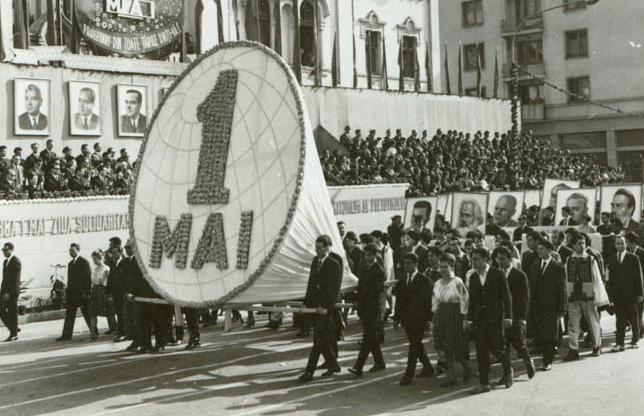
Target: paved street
252,372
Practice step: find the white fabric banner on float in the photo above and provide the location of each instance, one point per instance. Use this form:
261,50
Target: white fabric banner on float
365,208
43,229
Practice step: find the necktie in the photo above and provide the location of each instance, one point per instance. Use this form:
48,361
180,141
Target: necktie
621,258
34,122
543,266
133,121
85,125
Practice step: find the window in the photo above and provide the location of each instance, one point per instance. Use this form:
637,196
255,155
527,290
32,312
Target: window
572,5
530,52
471,92
577,44
372,39
409,56
470,56
472,13
531,94
307,35
633,137
526,8
579,86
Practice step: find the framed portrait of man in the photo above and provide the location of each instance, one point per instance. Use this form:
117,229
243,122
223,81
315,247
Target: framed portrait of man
624,202
31,102
469,212
550,189
506,207
132,110
573,205
85,108
420,213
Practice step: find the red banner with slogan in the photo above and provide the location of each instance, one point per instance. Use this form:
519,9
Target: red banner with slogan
131,28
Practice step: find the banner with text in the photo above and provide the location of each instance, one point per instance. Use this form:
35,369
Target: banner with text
369,207
42,231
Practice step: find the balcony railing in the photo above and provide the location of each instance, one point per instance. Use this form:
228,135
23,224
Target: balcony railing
533,112
509,25
536,69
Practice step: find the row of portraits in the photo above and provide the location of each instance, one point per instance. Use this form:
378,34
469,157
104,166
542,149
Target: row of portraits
467,211
33,107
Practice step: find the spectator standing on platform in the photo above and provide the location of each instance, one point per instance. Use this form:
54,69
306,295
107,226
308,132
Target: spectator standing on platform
79,283
9,291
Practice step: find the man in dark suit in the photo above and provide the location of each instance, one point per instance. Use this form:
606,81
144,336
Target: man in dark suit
48,154
547,301
414,307
418,248
371,308
632,240
32,119
115,289
9,291
133,121
322,293
625,290
79,282
560,241
523,228
489,315
520,292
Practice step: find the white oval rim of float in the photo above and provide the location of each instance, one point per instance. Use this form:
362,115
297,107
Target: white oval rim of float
299,104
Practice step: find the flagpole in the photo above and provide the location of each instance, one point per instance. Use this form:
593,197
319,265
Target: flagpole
353,34
449,87
368,58
385,72
496,74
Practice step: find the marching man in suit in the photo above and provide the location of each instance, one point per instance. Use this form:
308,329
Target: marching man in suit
371,309
547,300
520,292
9,291
322,293
414,307
489,316
79,283
625,290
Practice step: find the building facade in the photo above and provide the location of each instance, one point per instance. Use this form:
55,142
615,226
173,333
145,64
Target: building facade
578,48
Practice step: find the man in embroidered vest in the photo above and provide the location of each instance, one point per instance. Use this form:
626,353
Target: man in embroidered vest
489,315
582,279
625,289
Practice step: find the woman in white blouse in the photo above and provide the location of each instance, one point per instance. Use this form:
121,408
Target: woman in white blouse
449,304
98,294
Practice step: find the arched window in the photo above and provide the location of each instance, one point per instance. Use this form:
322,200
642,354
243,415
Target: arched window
307,33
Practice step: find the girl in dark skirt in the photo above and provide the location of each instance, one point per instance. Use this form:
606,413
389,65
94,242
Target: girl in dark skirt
449,304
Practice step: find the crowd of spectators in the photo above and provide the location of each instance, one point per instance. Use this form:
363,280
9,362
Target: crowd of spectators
45,174
456,161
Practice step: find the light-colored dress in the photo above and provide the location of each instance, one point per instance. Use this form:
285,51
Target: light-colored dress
450,301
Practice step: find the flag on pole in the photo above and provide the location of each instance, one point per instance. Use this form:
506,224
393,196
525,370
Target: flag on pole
355,70
236,11
184,46
220,23
316,50
478,71
401,74
385,74
448,86
297,58
334,61
460,71
428,69
368,57
496,75
416,69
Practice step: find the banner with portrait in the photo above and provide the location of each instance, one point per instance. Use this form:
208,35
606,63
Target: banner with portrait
532,198
625,202
579,203
31,99
469,212
506,207
85,108
132,110
550,188
420,213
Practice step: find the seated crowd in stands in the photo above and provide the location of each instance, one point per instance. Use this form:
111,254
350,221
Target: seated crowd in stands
456,161
45,174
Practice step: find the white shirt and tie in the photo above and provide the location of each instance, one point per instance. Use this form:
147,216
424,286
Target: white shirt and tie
544,265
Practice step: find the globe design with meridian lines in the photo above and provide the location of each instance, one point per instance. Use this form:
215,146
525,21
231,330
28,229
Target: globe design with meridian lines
264,159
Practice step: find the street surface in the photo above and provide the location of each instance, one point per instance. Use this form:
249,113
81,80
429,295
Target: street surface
253,372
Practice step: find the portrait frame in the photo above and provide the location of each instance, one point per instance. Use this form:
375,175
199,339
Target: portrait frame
95,122
563,195
125,128
551,185
21,122
409,208
607,193
519,198
480,215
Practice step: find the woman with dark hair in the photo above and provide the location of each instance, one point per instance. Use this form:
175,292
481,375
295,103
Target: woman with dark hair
449,304
98,293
